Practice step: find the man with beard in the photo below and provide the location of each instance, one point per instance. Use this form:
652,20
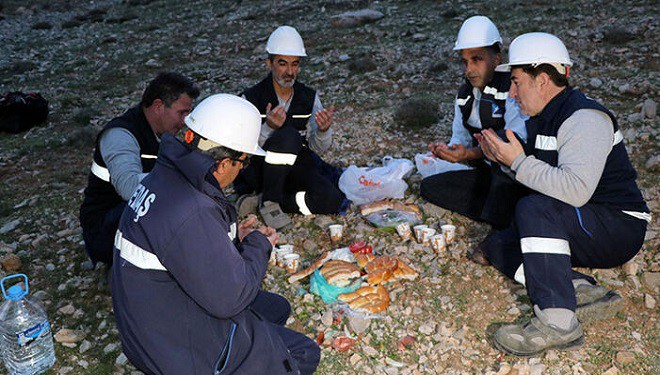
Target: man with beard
296,128
482,193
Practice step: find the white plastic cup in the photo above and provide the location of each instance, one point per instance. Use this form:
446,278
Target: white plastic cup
292,262
404,231
336,232
281,252
426,235
438,243
449,231
418,232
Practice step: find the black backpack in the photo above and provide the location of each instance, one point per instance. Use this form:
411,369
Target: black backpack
20,112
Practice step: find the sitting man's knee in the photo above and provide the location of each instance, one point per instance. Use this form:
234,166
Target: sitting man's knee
285,139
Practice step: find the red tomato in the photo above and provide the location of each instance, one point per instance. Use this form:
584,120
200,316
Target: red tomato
357,246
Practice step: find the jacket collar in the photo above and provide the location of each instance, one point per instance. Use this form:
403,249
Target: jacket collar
193,165
555,104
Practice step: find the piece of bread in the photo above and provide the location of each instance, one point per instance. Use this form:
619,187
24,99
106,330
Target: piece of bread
404,271
363,259
370,208
368,299
310,270
384,261
340,273
380,276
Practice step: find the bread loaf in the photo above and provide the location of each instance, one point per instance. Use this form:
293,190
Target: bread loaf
368,299
404,272
339,272
309,270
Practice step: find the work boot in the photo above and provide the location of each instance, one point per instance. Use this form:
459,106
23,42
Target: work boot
273,215
537,336
595,303
247,204
477,254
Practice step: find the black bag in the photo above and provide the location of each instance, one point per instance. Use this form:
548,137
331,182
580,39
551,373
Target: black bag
20,112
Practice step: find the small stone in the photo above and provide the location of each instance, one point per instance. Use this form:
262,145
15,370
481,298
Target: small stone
65,370
152,63
624,358
649,301
630,268
344,57
327,318
427,329
10,226
50,267
636,335
82,363
595,82
11,262
109,348
651,280
625,87
66,335
68,309
323,221
653,163
356,18
537,369
612,371
504,369
84,346
121,360
513,311
309,245
418,37
355,358
551,355
432,210
649,108
357,324
368,350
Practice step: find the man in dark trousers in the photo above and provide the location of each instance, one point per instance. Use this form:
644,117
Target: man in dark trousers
186,277
292,177
482,193
585,209
125,152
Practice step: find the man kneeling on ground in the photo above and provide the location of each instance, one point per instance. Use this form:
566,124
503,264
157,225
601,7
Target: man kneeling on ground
585,209
186,277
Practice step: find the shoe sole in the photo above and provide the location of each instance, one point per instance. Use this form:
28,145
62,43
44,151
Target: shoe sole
602,308
275,218
247,204
572,345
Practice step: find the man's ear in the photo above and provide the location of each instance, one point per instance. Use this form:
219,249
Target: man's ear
498,59
158,105
268,64
543,79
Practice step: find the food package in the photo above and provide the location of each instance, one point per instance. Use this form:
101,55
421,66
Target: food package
328,293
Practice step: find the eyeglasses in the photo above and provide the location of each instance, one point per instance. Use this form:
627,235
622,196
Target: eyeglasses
244,162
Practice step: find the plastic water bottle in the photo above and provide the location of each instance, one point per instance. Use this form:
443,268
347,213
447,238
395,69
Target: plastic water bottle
26,342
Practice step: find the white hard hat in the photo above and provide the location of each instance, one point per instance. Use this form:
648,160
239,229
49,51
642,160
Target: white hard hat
536,49
477,31
286,41
229,121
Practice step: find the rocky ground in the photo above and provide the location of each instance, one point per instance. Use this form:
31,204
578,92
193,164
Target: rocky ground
91,61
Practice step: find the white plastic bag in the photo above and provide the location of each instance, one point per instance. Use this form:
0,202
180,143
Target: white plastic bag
428,165
364,185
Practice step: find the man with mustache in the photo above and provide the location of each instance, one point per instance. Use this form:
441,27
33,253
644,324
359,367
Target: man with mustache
125,152
585,209
296,128
483,193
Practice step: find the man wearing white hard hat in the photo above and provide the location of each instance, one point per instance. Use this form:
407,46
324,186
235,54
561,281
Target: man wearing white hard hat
186,278
295,130
483,192
585,209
